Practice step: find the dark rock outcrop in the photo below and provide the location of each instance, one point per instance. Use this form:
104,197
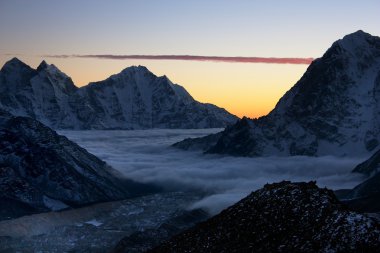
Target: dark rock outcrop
281,217
142,241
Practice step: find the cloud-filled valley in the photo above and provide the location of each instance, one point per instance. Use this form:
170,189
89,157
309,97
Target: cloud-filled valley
146,156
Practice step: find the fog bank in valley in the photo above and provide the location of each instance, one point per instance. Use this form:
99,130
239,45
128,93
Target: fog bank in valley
146,156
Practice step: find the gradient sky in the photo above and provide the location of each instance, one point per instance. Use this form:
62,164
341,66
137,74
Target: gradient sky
247,28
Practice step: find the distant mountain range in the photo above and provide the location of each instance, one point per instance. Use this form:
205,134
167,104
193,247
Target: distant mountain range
42,171
334,109
133,99
281,217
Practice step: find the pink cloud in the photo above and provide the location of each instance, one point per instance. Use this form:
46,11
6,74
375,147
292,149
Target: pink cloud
193,58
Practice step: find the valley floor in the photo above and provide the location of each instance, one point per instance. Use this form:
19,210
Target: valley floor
95,228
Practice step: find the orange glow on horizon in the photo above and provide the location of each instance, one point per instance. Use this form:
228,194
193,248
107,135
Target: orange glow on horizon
243,89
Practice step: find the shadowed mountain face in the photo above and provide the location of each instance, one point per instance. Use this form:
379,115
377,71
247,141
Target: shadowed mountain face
282,217
133,99
370,166
365,197
41,171
332,110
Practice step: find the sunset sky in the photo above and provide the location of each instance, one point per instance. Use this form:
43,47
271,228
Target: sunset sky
35,30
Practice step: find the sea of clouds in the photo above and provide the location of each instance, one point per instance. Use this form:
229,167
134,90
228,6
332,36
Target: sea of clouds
147,156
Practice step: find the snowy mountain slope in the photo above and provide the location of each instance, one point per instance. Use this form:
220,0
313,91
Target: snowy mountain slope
333,109
133,99
41,94
136,98
41,170
281,217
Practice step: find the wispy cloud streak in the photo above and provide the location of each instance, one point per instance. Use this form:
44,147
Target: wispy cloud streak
192,58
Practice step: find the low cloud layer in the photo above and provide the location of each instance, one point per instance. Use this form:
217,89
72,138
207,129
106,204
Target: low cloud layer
146,156
192,58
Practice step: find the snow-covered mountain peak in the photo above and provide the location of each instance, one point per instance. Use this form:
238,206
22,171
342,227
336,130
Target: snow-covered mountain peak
43,65
51,74
15,65
14,76
359,44
53,70
135,70
135,98
50,68
136,74
358,35
141,75
164,79
332,110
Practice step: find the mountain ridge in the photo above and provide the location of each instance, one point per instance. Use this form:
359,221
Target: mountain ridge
42,171
134,98
334,109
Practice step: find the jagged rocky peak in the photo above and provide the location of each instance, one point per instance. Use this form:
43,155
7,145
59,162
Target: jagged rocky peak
50,73
135,98
140,74
134,69
15,70
357,40
14,63
334,109
281,217
43,65
14,76
51,68
137,74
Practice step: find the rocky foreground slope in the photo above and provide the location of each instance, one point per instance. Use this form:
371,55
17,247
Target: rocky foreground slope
133,99
41,171
282,217
334,109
